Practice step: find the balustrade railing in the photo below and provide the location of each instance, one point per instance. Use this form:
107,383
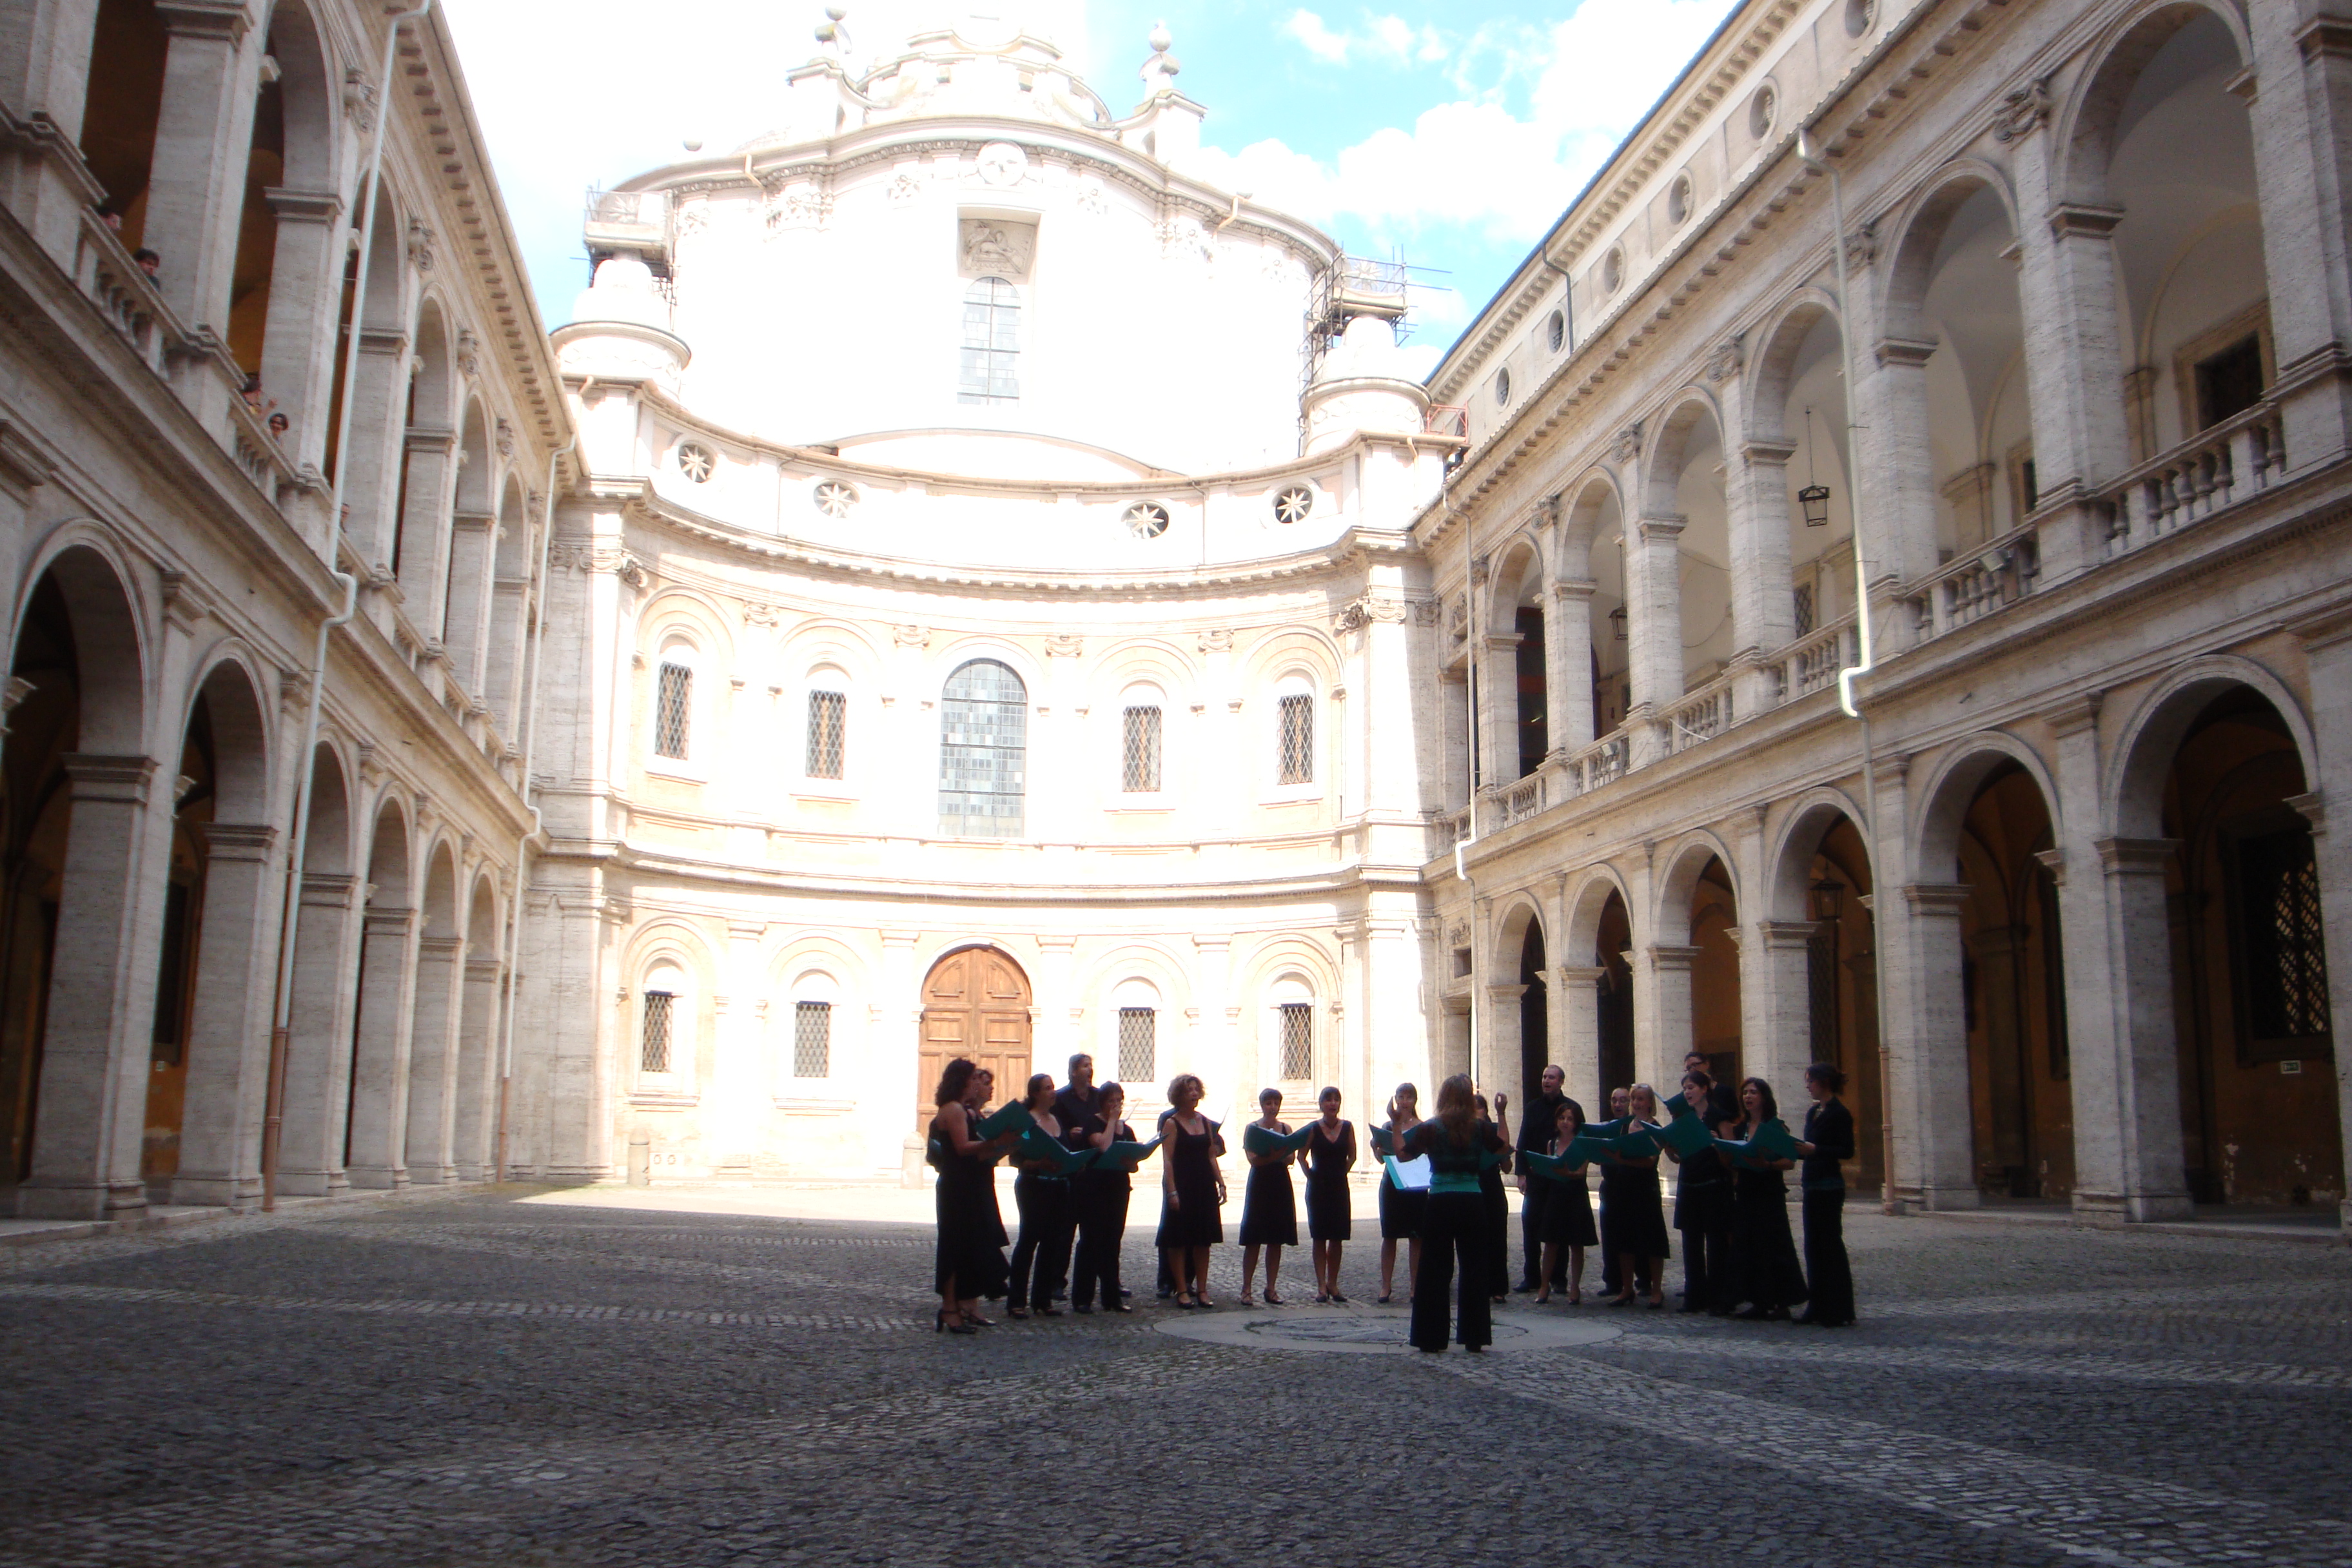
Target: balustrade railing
2240,457
1813,660
1699,715
1601,763
125,295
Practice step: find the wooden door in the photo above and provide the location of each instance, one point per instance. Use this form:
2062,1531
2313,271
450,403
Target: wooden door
976,1005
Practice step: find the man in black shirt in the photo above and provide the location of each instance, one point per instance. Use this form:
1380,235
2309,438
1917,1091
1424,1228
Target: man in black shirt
1534,1135
1722,1104
1071,1107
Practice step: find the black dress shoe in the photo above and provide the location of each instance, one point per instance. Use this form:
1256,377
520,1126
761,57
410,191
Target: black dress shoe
1118,1307
1687,1308
1085,1311
1124,1292
1523,1288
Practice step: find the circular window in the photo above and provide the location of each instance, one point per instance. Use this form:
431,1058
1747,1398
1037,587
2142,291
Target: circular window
1502,387
1680,199
1293,504
1147,520
696,462
1859,15
1762,110
1556,331
1613,269
835,498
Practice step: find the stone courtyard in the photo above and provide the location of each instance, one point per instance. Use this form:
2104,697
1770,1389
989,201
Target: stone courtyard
519,1377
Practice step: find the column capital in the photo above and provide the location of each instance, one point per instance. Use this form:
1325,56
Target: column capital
2054,862
389,922
2314,809
227,20
1575,590
1766,451
2083,220
439,946
901,937
303,207
1947,898
239,841
99,777
1669,958
1911,352
2073,714
1663,529
2135,857
1782,936
329,889
1503,993
1580,973
1059,943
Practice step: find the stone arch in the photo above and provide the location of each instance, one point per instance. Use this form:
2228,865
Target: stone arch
93,579
1590,507
1808,817
1105,1034
375,1111
1302,649
464,589
1669,444
1769,369
231,687
1952,783
436,1016
829,641
1683,863
978,1003
2087,120
2134,803
327,847
1276,972
1919,228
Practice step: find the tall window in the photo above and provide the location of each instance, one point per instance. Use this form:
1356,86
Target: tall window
828,723
991,344
2280,945
984,750
1295,1031
672,700
1140,766
1295,757
653,1045
812,1039
1138,1045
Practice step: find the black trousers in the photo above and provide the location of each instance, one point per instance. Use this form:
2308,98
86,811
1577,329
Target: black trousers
1829,1277
1454,1234
1532,1205
1706,1270
1047,1222
1102,1226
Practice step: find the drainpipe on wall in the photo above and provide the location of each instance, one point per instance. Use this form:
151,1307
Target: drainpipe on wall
273,1123
1470,756
1867,660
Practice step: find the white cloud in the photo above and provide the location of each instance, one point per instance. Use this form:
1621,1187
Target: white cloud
1389,39
1307,30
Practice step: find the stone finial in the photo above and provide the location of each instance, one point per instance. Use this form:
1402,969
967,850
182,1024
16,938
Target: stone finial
1158,72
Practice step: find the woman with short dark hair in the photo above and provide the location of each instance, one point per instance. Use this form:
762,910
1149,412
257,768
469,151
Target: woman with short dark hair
1460,1144
1329,1155
1829,1139
1269,1205
970,1256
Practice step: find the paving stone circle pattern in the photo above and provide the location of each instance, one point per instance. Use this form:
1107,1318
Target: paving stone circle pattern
472,1380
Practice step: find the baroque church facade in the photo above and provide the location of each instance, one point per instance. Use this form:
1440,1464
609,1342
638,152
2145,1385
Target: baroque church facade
1870,587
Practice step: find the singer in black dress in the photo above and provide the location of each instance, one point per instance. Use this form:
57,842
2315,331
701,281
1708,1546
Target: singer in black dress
1455,1231
1633,1218
1102,1195
1194,1189
1829,1139
1400,1212
1269,1206
970,1261
1049,1218
1763,1254
1703,1204
1567,1227
1330,1153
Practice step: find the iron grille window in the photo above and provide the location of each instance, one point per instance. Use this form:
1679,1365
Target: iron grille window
671,704
991,344
983,750
1138,1045
1297,752
828,721
2278,913
1140,771
1298,1041
1804,609
812,1039
653,1050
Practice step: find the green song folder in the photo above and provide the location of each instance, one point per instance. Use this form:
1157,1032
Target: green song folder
1122,1155
1589,1144
1685,1135
1639,1143
1490,1158
1383,1141
1558,1167
1677,1106
1058,1161
1257,1140
1769,1141
1411,1176
1005,1118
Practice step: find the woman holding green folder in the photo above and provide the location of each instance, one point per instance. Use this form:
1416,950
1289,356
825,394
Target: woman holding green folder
1400,1212
1568,1212
1633,1218
1047,1220
1269,1206
971,1259
1102,1192
1764,1255
1460,1145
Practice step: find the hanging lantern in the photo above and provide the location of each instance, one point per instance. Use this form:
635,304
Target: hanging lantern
1829,896
1815,500
1617,622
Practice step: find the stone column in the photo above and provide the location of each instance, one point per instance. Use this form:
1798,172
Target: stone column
96,1040
380,1055
2328,654
433,1060
1763,591
1934,1126
2302,124
465,621
44,76
1389,1018
1216,1045
228,1029
895,1022
1500,1047
1662,1034
298,350
1903,484
2008,1079
2132,1088
478,1071
319,1049
505,645
1498,711
742,1090
1777,1000
195,189
431,455
1576,1034
1568,666
1653,593
1060,1015
372,486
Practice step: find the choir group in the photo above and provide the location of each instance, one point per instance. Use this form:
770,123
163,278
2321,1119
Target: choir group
1441,1193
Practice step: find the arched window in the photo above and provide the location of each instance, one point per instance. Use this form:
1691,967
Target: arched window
814,995
661,1021
1292,1023
991,344
828,724
674,701
1293,709
1139,738
984,750
1135,1005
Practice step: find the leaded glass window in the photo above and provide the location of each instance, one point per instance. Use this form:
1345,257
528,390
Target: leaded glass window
653,1049
812,1039
672,700
1138,1040
1297,756
1297,1040
828,722
984,750
1139,767
2285,965
991,344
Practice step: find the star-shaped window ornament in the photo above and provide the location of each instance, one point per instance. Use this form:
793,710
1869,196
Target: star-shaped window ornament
1293,504
835,498
696,462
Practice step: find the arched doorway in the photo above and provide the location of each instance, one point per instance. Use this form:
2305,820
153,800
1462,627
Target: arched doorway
1839,1014
1614,1024
976,1005
1535,1014
1713,977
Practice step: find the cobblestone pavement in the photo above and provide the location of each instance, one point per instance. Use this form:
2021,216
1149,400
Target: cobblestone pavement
474,1380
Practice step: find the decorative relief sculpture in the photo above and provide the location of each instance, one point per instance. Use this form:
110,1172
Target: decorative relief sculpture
1220,640
2022,110
1729,358
1064,645
1002,164
911,637
996,247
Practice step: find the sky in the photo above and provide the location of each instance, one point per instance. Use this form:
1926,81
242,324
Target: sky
1450,135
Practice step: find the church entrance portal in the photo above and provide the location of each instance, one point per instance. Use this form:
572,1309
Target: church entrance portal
976,1005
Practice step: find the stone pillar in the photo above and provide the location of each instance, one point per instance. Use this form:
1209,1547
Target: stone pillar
43,72
424,539
228,1030
372,486
506,644
1653,590
1763,591
1390,1017
478,1071
319,1049
196,191
298,350
2302,124
1576,1035
1933,1124
1060,1015
1903,484
434,1023
96,1040
1501,1046
1777,1000
2128,1094
895,1024
1662,1033
380,1060
1216,1045
465,621
1996,951
1568,666
2328,654
1498,711
743,1090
